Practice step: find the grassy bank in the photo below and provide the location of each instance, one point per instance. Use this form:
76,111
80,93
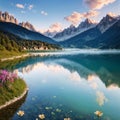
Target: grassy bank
10,87
8,54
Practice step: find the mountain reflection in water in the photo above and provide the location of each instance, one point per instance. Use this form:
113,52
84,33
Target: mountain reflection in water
71,86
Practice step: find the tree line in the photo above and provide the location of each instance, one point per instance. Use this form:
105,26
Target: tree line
11,42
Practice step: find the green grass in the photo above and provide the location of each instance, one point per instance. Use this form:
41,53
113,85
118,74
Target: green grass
8,54
11,90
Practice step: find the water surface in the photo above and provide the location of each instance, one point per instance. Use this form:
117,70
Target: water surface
72,85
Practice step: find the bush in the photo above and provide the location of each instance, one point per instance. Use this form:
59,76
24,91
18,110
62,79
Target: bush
6,76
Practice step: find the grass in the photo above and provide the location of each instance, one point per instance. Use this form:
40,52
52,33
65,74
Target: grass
8,54
11,90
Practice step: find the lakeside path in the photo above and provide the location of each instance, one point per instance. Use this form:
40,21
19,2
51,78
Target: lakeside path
15,57
14,99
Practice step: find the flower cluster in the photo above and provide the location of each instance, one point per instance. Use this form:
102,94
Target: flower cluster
7,76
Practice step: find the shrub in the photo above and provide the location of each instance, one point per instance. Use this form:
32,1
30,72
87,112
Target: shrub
6,76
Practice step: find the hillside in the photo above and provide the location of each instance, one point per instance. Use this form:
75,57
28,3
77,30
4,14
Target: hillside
109,39
106,35
80,40
11,45
24,33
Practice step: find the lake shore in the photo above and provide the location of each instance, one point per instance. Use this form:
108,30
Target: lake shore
28,54
14,99
15,57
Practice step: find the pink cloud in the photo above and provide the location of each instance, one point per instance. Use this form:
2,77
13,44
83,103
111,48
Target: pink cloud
76,17
56,27
112,14
97,4
90,13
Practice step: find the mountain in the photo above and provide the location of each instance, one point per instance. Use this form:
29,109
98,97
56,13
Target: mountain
80,40
110,39
65,34
10,43
23,32
106,35
6,17
27,25
72,30
106,22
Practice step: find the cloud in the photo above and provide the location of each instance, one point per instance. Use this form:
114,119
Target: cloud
20,6
112,14
30,7
91,77
101,99
113,87
75,77
97,4
90,13
44,13
76,17
56,27
94,85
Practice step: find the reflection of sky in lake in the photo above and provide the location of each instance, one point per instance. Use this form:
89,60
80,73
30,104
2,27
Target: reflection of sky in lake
73,86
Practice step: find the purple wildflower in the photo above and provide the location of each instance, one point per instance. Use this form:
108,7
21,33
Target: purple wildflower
7,76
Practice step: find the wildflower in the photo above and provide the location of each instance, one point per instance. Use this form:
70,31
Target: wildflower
7,76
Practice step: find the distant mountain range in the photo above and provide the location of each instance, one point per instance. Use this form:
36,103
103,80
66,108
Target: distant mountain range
105,35
72,30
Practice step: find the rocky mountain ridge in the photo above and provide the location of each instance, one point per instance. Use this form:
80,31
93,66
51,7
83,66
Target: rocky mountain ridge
6,17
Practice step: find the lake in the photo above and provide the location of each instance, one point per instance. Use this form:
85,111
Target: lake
70,84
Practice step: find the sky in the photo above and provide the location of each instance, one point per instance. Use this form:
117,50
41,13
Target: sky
59,14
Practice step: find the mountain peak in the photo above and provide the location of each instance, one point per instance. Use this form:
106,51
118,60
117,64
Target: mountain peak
87,20
27,25
106,22
72,26
72,30
87,23
6,17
